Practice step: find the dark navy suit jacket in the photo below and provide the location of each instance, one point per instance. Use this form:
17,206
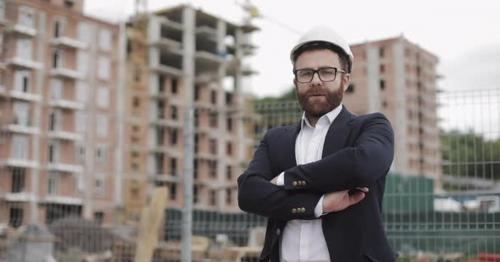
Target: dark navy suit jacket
358,151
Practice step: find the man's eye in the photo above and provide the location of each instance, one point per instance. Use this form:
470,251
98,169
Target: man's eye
305,73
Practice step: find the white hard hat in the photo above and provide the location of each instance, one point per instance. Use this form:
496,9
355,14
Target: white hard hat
322,34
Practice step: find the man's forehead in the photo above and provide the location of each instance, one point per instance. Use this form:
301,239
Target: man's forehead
318,56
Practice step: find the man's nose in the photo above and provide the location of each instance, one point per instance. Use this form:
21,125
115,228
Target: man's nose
315,80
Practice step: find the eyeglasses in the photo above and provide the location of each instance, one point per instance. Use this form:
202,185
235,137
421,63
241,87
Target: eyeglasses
325,74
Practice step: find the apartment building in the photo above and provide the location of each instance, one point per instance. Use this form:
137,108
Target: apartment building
399,79
395,77
172,52
58,81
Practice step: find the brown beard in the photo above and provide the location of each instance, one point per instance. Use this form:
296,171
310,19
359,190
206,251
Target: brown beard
333,100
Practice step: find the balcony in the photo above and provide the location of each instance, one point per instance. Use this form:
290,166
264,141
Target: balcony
15,162
23,30
66,73
169,70
65,135
62,167
24,63
19,197
23,129
66,104
2,90
69,42
17,94
63,200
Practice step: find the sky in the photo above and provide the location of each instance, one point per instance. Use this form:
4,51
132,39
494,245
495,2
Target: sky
464,35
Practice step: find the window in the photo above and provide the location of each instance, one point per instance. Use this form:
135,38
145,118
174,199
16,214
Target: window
56,89
100,186
59,25
103,97
104,66
23,83
196,143
21,113
173,166
161,84
16,217
229,148
174,113
20,148
382,68
174,87
213,120
26,16
82,65
213,197
173,136
382,84
69,3
173,191
53,154
229,196
84,32
136,102
99,217
381,51
229,98
160,136
102,126
18,179
58,58
229,124
101,154
197,90
195,194
105,39
82,91
195,168
159,166
25,49
80,153
55,119
229,173
213,97
160,109
53,184
80,121
213,146
212,168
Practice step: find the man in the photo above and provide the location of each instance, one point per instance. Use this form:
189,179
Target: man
321,182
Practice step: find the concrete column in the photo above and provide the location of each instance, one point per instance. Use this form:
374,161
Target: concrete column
222,115
373,72
401,156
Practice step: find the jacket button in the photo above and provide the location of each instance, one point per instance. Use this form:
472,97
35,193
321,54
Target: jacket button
278,231
294,183
294,210
303,210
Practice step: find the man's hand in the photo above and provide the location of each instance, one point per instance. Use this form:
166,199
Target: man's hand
340,200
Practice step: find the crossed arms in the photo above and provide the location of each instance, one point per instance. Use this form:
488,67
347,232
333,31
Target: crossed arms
359,165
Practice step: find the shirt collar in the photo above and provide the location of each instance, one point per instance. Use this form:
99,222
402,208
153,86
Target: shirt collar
329,117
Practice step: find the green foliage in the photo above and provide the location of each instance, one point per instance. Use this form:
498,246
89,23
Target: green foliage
471,155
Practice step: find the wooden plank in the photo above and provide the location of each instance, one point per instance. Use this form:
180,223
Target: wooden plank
150,224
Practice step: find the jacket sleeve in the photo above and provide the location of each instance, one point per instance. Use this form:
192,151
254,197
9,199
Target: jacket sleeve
359,165
256,194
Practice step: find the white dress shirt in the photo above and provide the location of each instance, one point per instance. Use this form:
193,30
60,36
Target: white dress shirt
303,240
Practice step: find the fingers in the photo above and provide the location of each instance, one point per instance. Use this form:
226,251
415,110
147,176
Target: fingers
356,197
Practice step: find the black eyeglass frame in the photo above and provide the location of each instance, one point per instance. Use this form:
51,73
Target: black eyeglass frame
316,71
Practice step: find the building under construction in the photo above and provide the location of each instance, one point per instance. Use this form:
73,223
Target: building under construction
169,53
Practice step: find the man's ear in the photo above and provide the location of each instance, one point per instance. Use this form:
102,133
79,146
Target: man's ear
346,80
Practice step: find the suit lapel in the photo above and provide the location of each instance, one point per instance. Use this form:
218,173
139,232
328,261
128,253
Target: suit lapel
337,134
289,145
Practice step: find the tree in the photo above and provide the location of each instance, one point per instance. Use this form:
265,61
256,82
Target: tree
471,155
